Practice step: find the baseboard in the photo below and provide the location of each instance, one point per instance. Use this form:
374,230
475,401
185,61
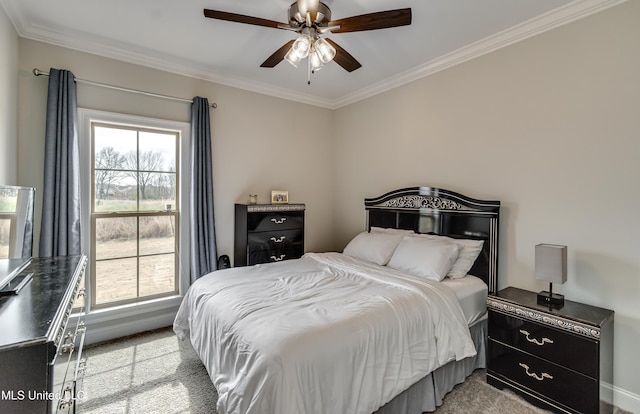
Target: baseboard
624,399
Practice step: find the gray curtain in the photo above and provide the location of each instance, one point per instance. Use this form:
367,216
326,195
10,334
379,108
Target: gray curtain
60,225
202,227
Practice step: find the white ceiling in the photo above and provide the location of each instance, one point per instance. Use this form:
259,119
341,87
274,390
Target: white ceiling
175,36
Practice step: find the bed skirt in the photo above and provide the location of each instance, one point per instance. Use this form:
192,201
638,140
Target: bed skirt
427,394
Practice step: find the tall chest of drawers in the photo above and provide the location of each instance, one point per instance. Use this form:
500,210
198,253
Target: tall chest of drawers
268,233
557,359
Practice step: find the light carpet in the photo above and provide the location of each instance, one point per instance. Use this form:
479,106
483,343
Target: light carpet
156,373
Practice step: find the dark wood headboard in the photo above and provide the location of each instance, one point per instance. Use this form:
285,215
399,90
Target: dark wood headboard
443,212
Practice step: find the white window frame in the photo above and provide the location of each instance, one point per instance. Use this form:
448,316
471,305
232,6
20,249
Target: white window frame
85,118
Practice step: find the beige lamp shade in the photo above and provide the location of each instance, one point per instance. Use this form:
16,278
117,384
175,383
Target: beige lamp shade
551,263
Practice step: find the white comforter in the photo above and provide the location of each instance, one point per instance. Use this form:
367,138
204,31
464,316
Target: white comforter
322,334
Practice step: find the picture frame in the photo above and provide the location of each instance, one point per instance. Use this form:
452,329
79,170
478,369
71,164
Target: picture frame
279,197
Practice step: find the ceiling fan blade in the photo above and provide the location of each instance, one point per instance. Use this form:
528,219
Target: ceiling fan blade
240,18
373,21
277,56
343,58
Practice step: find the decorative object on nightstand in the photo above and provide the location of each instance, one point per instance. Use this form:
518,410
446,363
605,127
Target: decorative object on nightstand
268,233
551,266
557,359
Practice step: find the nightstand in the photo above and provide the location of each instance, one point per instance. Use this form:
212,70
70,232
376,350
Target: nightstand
556,359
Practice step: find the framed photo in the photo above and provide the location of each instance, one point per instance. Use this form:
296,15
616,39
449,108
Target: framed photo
279,197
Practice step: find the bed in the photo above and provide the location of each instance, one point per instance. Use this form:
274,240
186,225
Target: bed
389,325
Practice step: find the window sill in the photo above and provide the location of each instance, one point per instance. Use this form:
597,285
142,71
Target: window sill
118,321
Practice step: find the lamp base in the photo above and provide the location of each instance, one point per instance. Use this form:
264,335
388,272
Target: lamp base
553,300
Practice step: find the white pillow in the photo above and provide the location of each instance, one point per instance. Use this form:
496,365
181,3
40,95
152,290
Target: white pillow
376,247
429,258
469,250
391,230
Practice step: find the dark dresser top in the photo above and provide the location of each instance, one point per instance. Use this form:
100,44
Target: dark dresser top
579,312
30,316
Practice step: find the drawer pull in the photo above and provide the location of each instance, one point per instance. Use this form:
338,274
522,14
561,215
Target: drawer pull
68,345
277,259
279,239
536,376
534,340
279,221
67,398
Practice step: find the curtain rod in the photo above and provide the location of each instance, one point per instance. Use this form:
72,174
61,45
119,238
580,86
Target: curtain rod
38,72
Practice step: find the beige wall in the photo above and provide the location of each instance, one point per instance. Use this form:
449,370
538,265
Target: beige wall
256,147
8,101
549,126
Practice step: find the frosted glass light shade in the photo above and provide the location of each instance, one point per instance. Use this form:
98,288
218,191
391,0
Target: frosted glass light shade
293,58
315,61
325,51
301,46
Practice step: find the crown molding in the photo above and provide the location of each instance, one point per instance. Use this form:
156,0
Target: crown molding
561,16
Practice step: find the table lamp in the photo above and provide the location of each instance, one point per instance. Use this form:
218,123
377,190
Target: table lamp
551,266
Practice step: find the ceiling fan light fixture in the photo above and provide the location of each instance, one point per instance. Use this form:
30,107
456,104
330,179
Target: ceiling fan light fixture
301,46
315,61
293,58
325,51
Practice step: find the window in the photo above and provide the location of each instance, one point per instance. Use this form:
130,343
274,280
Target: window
134,213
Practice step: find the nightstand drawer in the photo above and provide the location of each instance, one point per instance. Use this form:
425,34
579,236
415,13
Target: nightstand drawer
546,342
565,387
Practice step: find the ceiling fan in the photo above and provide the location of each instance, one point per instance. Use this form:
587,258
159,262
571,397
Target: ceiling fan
311,19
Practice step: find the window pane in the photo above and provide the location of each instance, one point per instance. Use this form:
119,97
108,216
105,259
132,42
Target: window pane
116,280
157,274
157,190
157,235
115,141
116,237
163,148
115,191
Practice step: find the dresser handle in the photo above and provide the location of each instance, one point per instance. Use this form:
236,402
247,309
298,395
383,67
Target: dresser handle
279,221
66,401
278,240
68,345
277,259
534,340
532,375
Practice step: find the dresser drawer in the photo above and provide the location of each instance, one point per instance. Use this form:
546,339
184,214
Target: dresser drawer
576,391
546,342
272,240
270,221
275,255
